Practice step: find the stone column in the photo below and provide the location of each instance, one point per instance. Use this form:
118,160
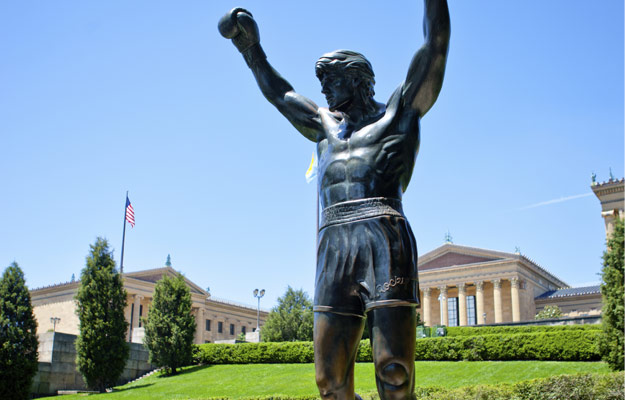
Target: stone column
497,300
462,304
127,315
427,313
479,302
443,305
516,301
135,313
199,326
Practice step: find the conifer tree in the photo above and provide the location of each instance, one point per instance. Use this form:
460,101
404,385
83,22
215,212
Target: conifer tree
170,327
291,319
101,346
612,292
18,336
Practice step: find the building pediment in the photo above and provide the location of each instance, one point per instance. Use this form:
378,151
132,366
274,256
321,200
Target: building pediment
154,275
453,255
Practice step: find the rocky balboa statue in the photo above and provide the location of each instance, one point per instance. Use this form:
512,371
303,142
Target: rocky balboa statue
367,254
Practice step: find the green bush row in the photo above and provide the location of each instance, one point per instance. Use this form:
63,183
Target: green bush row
492,330
572,345
254,353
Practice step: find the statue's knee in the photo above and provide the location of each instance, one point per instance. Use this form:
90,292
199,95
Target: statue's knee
394,374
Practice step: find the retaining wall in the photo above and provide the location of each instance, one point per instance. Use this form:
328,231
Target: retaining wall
57,364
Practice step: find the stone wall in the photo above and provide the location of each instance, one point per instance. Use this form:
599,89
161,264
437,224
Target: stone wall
57,364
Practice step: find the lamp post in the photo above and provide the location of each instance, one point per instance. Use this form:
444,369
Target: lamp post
258,295
54,321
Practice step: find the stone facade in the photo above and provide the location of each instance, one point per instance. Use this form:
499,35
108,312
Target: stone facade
57,364
216,319
611,196
471,286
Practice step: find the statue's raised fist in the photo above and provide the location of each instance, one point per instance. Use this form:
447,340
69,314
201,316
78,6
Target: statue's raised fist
239,25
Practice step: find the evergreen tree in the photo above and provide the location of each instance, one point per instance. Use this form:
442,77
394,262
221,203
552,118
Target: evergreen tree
291,319
170,327
18,336
101,346
612,292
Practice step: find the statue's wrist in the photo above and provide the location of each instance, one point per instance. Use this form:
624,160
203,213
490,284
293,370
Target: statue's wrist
253,54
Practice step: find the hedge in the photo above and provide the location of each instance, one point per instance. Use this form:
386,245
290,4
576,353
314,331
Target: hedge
566,345
575,345
254,353
492,330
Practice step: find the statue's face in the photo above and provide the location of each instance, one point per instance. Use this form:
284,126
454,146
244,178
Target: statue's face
338,89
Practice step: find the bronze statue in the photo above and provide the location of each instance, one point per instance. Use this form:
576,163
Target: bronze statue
367,254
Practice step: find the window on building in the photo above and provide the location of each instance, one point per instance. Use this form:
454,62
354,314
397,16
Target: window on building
140,314
232,329
208,324
243,329
220,327
452,311
471,316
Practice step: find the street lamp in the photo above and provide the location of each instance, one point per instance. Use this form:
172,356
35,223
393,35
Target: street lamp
258,295
54,321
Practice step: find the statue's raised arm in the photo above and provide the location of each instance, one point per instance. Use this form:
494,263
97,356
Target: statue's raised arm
240,26
427,68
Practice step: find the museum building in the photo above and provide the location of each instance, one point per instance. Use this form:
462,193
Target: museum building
462,285
217,320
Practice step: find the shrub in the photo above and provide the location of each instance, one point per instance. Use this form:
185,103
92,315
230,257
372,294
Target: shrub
613,304
492,330
254,353
18,336
571,345
101,346
170,327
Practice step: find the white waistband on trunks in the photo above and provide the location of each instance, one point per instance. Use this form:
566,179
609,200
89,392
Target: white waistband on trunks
355,210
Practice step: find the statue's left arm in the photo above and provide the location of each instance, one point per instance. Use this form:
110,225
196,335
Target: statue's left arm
427,68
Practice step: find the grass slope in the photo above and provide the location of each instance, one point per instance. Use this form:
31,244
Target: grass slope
257,380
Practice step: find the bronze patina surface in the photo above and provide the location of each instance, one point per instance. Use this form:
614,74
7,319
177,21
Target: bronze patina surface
367,254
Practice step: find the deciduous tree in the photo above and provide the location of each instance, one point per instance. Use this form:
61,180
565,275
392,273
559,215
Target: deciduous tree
291,319
101,346
549,312
18,336
612,292
170,327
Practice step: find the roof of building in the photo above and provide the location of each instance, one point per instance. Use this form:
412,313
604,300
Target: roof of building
450,255
569,292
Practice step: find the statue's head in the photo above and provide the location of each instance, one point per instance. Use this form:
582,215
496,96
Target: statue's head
345,74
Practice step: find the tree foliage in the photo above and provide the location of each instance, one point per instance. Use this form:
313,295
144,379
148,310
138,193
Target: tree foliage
170,327
18,336
612,292
549,312
101,346
291,319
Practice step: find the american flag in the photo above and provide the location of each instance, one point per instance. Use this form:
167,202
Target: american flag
130,213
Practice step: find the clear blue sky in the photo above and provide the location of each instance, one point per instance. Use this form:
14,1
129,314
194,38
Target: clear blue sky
97,98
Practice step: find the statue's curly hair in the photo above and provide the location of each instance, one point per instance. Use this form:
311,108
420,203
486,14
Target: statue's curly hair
348,62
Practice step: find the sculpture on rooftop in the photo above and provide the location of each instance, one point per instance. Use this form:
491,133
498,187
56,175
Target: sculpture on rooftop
367,253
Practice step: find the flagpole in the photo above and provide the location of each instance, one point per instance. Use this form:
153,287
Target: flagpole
124,236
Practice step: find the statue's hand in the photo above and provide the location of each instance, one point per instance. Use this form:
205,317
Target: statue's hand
239,25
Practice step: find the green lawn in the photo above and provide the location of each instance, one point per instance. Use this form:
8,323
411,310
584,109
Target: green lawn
237,381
